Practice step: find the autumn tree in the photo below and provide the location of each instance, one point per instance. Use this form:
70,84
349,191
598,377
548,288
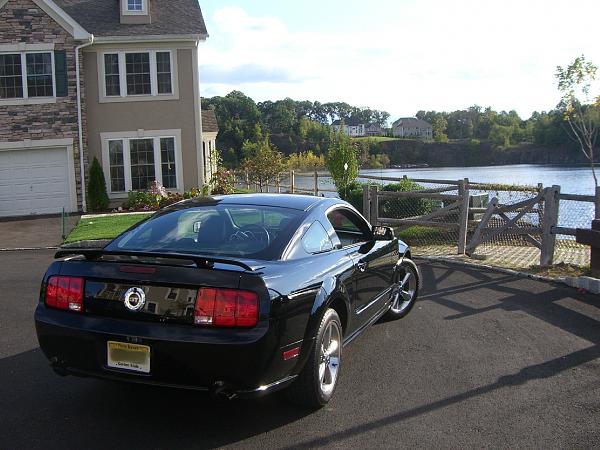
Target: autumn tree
579,105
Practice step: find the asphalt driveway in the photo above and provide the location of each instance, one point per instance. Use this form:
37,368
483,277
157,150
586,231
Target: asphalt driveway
484,360
34,232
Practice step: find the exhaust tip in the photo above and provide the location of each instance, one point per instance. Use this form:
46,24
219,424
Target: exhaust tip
221,391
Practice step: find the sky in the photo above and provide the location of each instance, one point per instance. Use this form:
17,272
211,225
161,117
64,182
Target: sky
399,56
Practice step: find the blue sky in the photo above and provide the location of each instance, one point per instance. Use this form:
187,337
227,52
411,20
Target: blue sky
399,56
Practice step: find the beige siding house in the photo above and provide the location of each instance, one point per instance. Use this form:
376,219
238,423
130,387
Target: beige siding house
115,80
409,127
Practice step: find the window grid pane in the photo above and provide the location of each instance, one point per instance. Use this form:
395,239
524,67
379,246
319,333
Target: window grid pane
167,157
39,75
11,80
163,72
142,163
138,73
135,5
117,166
111,74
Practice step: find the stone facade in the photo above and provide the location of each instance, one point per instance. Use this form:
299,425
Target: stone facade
22,21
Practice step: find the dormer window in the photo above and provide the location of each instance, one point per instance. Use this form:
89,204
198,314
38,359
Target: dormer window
135,5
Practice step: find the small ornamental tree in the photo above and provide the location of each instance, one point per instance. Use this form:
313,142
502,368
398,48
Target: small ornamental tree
97,196
580,106
262,161
342,160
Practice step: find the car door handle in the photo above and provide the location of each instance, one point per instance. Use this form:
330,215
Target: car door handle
362,266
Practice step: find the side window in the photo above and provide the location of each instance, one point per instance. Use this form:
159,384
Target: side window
349,228
316,240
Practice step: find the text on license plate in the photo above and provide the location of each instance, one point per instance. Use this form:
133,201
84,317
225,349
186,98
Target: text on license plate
134,357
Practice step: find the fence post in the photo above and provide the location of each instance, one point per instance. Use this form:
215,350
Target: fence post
374,205
551,203
463,220
247,181
316,183
277,185
366,202
597,203
292,182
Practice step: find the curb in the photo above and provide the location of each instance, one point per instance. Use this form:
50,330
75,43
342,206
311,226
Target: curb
590,284
95,216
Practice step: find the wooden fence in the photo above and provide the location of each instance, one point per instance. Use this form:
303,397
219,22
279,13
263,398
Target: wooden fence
457,213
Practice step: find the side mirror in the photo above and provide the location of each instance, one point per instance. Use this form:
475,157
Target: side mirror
383,233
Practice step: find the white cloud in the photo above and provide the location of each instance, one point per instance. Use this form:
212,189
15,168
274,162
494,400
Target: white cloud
445,57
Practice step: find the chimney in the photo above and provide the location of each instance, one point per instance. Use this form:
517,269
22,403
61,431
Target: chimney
135,11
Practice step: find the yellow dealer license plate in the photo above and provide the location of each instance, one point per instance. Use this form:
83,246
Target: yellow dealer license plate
134,357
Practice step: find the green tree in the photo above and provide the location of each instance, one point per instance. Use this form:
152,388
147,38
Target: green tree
342,160
97,196
262,161
580,107
439,125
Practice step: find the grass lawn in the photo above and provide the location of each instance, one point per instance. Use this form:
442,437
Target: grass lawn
105,227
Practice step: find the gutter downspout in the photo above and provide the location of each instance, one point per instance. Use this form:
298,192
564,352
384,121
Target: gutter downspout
80,121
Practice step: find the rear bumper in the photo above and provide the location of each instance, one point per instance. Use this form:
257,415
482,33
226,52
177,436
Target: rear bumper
244,363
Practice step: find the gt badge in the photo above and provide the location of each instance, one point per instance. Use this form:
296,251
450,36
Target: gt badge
135,298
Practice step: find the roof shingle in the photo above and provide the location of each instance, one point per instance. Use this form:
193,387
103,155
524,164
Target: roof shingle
209,121
169,17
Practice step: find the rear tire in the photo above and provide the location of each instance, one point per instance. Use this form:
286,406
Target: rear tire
404,295
317,381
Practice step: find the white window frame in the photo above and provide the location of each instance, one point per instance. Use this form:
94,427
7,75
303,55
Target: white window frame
26,99
126,137
124,97
133,12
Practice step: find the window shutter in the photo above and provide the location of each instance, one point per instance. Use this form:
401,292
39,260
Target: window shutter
60,69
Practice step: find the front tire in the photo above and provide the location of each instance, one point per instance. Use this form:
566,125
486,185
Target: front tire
317,381
404,294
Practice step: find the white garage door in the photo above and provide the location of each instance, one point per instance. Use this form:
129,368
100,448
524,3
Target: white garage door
34,181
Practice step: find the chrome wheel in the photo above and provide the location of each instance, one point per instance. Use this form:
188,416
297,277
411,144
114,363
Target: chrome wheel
330,357
404,294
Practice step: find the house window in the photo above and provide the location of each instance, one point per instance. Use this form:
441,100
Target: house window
112,79
148,73
117,166
167,156
135,5
25,75
138,73
142,163
11,79
135,163
163,72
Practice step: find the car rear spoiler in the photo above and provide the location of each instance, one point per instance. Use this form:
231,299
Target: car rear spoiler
199,260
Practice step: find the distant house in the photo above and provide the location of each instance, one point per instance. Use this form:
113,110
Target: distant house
412,128
353,128
373,129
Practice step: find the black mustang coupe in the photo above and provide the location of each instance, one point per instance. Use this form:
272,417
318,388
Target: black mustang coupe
239,295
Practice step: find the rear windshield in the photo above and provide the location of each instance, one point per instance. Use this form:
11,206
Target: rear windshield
256,232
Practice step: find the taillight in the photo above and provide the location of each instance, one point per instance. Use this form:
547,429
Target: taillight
65,293
226,308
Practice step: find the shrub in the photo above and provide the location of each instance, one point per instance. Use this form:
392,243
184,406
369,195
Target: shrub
97,196
222,182
353,194
157,197
400,208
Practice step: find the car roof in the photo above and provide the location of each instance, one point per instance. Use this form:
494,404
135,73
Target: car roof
291,201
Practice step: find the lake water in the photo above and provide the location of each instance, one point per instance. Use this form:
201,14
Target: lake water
571,179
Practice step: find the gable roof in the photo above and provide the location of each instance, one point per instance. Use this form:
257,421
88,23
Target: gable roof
411,122
209,121
102,18
348,122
